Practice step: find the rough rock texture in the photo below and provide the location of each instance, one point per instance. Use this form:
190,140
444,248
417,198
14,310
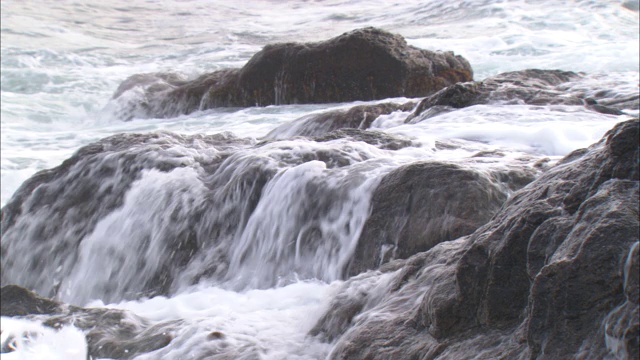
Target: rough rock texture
357,117
532,86
57,209
553,275
364,64
184,205
109,333
422,204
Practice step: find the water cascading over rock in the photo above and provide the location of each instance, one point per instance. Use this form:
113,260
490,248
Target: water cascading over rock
140,215
552,275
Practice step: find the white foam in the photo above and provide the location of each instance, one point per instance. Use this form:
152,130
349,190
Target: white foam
61,62
272,322
126,247
73,60
277,240
538,130
30,340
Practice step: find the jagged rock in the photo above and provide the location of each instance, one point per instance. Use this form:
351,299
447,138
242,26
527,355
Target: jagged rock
583,213
357,117
109,333
422,204
364,64
622,325
552,275
353,318
532,86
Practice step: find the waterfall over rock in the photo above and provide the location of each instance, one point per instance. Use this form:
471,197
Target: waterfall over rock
271,180
550,276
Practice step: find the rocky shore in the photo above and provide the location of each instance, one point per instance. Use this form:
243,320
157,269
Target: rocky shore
526,261
364,64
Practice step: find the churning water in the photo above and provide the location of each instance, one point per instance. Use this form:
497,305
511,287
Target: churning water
61,62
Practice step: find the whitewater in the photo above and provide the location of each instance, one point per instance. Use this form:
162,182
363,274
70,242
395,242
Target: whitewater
62,61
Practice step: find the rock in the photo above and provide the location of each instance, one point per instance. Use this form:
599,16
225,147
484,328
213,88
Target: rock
554,274
373,314
617,102
557,327
592,104
532,87
57,210
357,117
109,333
422,204
18,301
378,139
364,64
194,208
498,272
622,329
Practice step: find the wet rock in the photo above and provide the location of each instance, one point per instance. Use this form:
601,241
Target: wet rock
357,117
592,104
618,102
557,327
53,212
552,275
18,301
215,335
364,64
531,87
191,207
379,139
109,333
373,314
498,270
422,204
622,325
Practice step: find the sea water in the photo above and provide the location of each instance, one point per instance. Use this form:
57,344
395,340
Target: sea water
62,61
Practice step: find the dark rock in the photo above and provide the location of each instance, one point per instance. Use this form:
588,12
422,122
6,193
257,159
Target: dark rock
422,204
592,104
357,117
352,317
18,301
631,5
109,333
532,87
622,325
504,283
364,64
586,269
215,335
554,274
